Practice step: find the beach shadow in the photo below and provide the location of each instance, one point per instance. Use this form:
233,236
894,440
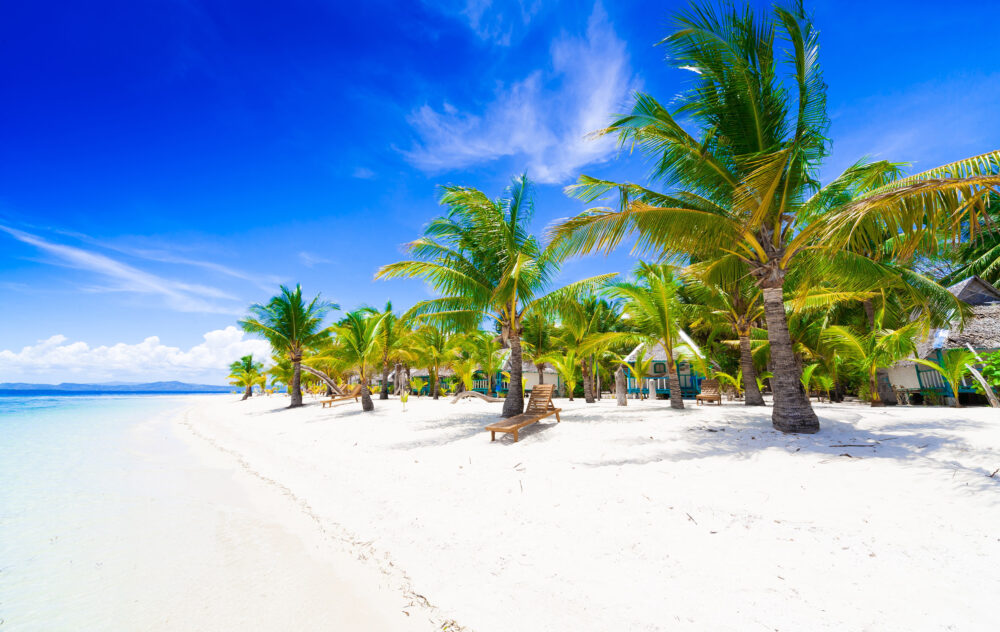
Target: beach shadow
745,433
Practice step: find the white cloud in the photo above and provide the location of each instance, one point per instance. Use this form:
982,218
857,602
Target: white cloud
494,21
58,359
177,295
544,118
363,173
309,260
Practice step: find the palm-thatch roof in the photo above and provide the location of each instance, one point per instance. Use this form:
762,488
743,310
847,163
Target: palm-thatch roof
975,291
528,367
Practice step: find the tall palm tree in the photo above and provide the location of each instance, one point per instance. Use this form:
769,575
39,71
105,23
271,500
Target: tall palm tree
392,343
744,182
292,327
358,341
653,305
732,298
245,372
484,261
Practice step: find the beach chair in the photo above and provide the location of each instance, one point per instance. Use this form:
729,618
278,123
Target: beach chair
354,394
709,392
540,406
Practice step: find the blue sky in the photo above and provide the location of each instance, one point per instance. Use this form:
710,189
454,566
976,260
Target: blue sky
163,164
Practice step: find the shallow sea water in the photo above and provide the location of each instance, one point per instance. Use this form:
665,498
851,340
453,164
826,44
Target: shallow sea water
109,521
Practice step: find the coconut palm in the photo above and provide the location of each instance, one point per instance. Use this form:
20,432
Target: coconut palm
538,339
954,366
392,344
566,365
873,350
744,183
653,305
246,373
435,350
484,261
357,346
292,327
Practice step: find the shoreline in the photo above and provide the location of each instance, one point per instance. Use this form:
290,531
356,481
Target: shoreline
371,575
643,518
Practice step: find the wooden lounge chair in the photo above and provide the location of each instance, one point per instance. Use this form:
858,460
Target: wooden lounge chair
539,407
709,392
354,394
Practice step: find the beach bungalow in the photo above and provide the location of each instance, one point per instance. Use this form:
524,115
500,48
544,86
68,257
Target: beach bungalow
657,384
981,332
531,377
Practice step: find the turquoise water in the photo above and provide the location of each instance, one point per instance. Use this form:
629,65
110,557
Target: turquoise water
71,481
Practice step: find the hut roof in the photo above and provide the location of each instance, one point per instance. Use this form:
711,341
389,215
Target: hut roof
528,367
975,291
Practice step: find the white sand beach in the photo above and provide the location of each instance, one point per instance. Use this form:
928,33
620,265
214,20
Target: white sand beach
637,518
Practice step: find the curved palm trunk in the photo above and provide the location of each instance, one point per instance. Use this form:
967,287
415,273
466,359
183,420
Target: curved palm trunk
513,404
751,394
384,392
676,400
366,397
792,410
588,384
296,387
620,388
248,392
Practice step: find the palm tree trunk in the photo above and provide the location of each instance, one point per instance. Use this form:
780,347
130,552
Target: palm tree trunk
407,385
588,385
751,394
676,400
620,387
248,392
384,392
541,372
434,382
296,387
513,404
875,395
792,411
366,397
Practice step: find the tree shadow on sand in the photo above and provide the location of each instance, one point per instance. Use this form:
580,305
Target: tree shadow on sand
745,432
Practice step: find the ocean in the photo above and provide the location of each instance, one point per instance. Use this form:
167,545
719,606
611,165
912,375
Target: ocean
78,473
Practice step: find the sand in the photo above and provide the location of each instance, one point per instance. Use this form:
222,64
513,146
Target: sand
639,518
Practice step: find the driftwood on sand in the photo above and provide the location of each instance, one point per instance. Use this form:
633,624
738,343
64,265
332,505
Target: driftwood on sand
485,398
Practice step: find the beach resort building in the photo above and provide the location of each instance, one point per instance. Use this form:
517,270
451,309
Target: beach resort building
981,333
657,383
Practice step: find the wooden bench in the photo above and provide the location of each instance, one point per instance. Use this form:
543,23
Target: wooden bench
709,392
354,394
539,407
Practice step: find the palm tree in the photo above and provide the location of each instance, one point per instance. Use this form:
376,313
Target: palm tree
358,346
436,350
392,344
566,365
486,350
292,327
585,327
245,372
873,351
654,308
732,298
954,366
744,184
539,340
484,261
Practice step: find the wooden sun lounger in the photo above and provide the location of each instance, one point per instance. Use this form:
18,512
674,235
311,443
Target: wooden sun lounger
539,407
354,394
709,392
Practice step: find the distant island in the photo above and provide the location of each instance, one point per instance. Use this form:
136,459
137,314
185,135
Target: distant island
114,387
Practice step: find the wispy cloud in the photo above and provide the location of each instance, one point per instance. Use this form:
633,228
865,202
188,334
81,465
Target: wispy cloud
121,277
58,359
544,118
494,21
363,173
309,260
